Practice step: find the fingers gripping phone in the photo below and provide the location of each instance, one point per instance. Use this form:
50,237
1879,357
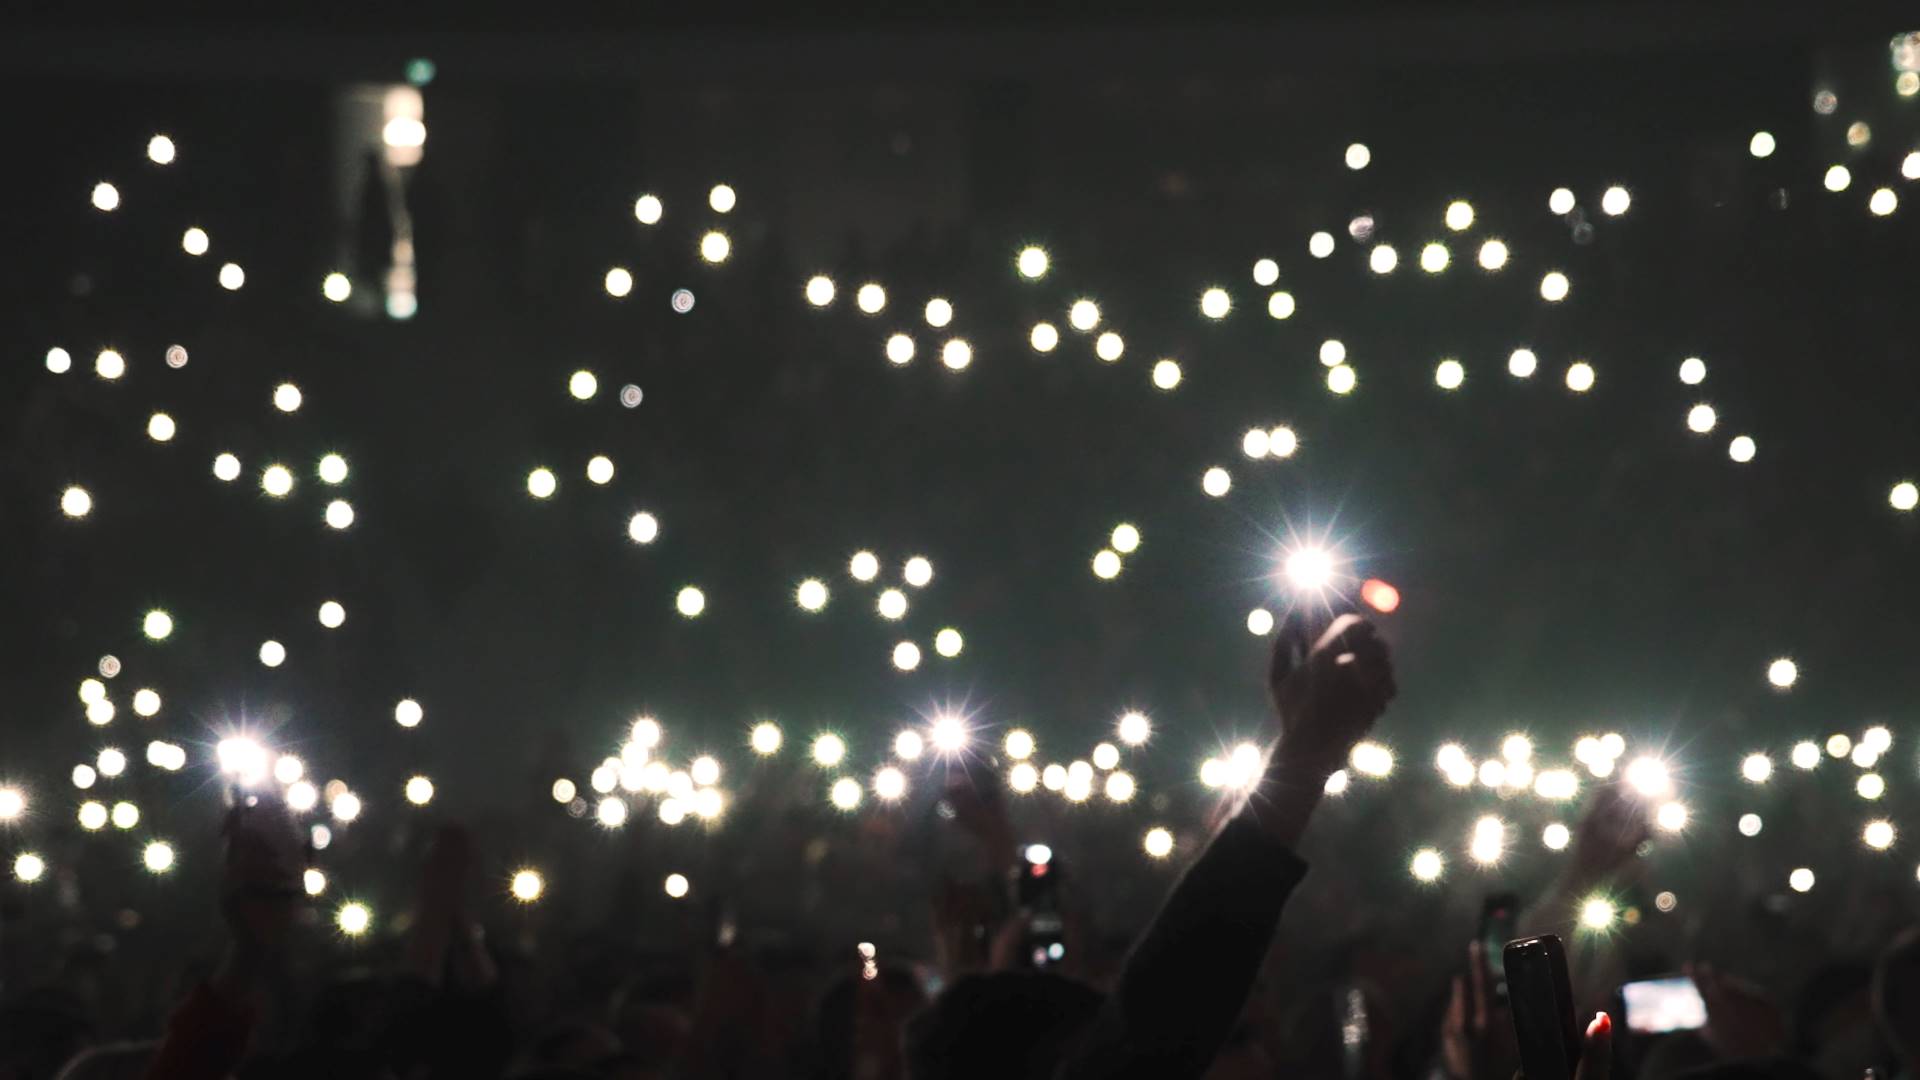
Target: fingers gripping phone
1498,915
1658,1006
1540,997
1037,894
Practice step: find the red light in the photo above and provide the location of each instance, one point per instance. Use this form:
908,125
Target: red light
1039,869
1379,595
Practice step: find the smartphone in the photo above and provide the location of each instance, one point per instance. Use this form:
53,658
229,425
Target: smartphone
1498,914
1540,997
1658,1006
1037,895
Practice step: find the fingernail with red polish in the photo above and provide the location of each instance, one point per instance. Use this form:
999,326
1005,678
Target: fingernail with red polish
1602,1025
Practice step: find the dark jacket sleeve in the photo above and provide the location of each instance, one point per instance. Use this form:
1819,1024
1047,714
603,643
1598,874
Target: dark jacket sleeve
206,1038
1182,990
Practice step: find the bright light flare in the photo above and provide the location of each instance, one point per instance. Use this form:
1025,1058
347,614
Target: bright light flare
889,784
1309,568
811,594
828,750
1783,673
1878,835
28,867
845,794
158,857
715,247
1597,913
819,290
1215,303
1427,865
353,918
1757,768
690,602
1342,379
1032,263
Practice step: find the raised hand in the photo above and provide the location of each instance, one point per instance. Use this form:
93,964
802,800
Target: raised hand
1476,1035
260,880
1742,1023
1607,839
1328,693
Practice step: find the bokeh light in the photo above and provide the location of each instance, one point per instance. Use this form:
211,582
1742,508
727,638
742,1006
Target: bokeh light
1032,263
690,602
1427,865
1341,379
1782,673
956,354
1109,347
1215,303
1580,377
715,247
1554,286
1449,374
939,312
1166,374
1158,842
828,750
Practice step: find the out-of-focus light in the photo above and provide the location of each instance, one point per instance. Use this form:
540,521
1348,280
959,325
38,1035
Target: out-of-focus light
939,312
287,768
1245,765
600,469
28,867
194,241
320,836
1370,758
899,349
1877,737
1904,496
1806,755
1882,202
917,572
1434,258
1119,787
1878,835
232,277
1022,778
1801,880
1282,442
1256,442
157,625
811,594
1109,347
1865,756
75,502
1308,568
1615,200
676,885
956,354
226,468
276,481
906,656
1489,841
1106,756
1648,775
346,805
705,770
1762,144
647,209
160,150
564,791
1870,786
1554,287
1213,773
336,287
820,290
1215,303
354,918
714,247
92,690
158,857
1560,201
1158,842
612,812
643,528
1701,418
1031,262
302,796
332,470
1358,156
765,738
92,816
339,514
408,713
870,298
1259,622
583,385
845,793
1837,178
1597,913
332,614
722,198
1380,596
1427,865
1044,337
1556,836
618,282
1907,83
1265,272
889,784
1459,215
111,762
1557,785
1493,254
1320,245
949,734
690,602
109,364
1333,352
1106,564
1749,825
909,744
1166,374
1693,371
828,750
1383,259
59,361
864,566
1782,673
1671,816
125,815
1580,377
105,197
1449,374
272,653
100,713
1758,768
12,804
1910,166
948,642
1741,449
1859,133
1341,379
892,604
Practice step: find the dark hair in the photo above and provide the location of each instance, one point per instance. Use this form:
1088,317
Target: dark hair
1009,1025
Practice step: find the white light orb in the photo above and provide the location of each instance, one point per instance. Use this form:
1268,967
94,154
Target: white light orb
28,867
419,790
1370,758
618,282
157,625
1109,347
889,784
1125,538
272,653
1320,245
1560,201
1265,272
1260,622
1166,374
1459,215
1801,880
1556,836
158,857
909,745
106,197
899,349
1671,816
75,502
333,469
1493,254
92,815
332,614
541,483
353,919
1837,178
1882,202
1749,825
828,750
715,247
643,528
819,290
690,602
1762,144
1597,913
1756,768
583,384
160,427
1554,287
1341,379
100,713
59,361
1782,673
1084,315
948,642
1332,352
600,469
1904,496
918,572
1427,865
336,287
1693,371
1215,303
408,713
1580,377
676,885
892,604
906,656
1615,200
864,566
1383,259
1434,258
870,298
1701,418
1878,835
1910,166
956,354
1280,305
722,199
1870,786
1805,755
1358,156
145,703
1119,787
1044,337
526,886
339,514
109,364
938,312
1449,374
1032,263
611,812
226,468
232,277
194,241
844,794
1106,564
811,594
160,150
647,209
765,738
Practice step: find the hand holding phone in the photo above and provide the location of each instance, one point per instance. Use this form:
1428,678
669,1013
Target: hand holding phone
1037,899
1540,994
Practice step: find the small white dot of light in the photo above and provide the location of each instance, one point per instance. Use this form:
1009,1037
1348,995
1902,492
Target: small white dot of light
892,604
1031,262
939,312
277,481
1615,200
811,594
600,469
59,361
956,354
1693,371
302,796
333,469
1671,816
1907,83
332,614
845,793
864,566
1459,215
1119,787
1877,737
1783,672
1516,747
526,886
125,815
1109,347
1865,755
272,653
1214,773
92,690
1260,622
1078,789
1580,377
1450,757
1837,178
1434,258
1337,782
28,867
346,806
353,919
1878,835
93,815
828,750
709,804
100,713
1493,254
109,364
1648,776
917,572
1341,379
1084,315
1859,133
612,812
1882,202
287,768
339,513
1320,245
619,282
1560,201
1358,156
1519,775
1910,166
320,836
583,384
1215,303
564,791
1044,337
1904,496
157,625
889,783
12,804
408,713
1018,744
1280,305
1554,287
676,885
1489,840
1106,564
870,298
1597,913
1079,770
1556,836
1255,443
908,745
1265,272
1022,778
1282,442
1761,145
1749,825
158,857
232,277
1333,352
647,209
1383,259
603,779
704,770
1427,865
715,246
160,150
1870,786
1801,880
160,427
226,468
948,642
820,290
1493,773
642,528
906,656
721,198
899,349
194,241
1449,374
1756,768
336,287
105,196
1701,418
1106,756
1806,755
1839,745
1557,785
1158,842
690,602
